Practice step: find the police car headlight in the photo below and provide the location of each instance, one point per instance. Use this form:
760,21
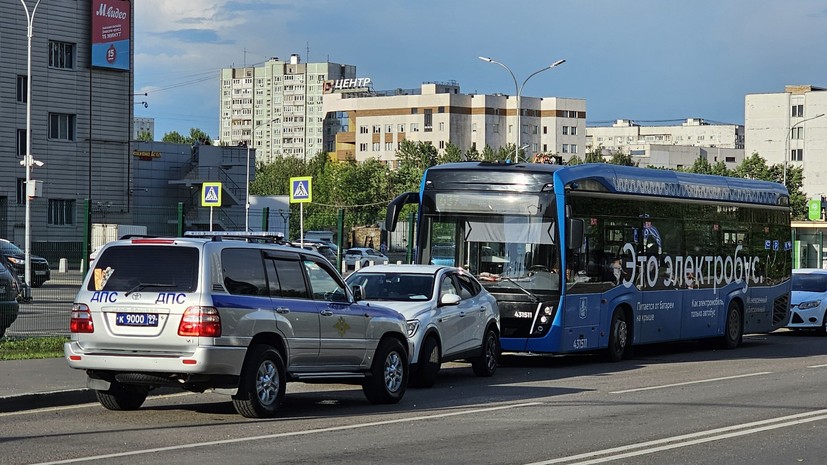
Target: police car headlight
17,261
809,304
413,327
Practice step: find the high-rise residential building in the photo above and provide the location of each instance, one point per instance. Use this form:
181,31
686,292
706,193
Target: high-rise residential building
277,106
80,97
142,126
369,124
790,128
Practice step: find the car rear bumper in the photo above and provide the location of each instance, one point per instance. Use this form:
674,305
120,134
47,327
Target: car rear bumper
204,360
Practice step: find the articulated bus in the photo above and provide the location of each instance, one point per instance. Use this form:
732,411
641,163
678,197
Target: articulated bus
603,257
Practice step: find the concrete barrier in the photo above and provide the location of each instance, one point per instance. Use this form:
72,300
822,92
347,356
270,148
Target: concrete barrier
63,265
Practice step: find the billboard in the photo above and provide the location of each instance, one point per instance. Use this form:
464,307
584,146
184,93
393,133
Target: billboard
111,33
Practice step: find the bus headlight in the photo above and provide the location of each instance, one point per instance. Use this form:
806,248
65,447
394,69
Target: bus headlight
809,304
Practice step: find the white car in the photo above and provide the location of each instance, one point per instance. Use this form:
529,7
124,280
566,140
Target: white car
364,256
449,313
808,300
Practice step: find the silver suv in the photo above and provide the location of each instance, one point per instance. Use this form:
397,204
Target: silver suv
238,317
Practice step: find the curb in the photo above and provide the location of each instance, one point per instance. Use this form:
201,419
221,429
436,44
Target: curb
39,400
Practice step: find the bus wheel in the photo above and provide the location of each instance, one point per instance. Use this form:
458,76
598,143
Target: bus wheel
823,325
734,331
618,337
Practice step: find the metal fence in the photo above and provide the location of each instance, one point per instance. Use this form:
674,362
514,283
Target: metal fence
47,314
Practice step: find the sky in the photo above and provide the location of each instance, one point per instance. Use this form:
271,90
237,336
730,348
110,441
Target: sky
651,61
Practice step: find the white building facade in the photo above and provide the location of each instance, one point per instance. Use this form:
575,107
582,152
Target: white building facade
791,127
142,125
277,107
373,125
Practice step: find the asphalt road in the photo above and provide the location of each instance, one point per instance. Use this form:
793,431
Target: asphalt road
763,403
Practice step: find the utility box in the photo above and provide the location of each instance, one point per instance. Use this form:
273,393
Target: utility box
34,188
107,232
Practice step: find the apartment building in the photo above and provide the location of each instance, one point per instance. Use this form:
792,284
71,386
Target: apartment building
371,124
80,98
790,128
141,126
277,106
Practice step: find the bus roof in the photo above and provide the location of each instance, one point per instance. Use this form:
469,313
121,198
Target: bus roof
605,177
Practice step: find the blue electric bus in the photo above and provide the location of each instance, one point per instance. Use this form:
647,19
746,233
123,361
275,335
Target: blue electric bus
602,257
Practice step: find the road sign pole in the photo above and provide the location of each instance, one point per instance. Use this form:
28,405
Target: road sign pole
301,223
211,219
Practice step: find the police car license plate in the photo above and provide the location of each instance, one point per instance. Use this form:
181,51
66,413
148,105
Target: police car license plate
136,319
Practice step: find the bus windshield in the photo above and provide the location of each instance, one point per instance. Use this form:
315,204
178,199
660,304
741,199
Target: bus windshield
502,250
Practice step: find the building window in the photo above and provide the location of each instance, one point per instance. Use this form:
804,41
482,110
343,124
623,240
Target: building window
442,144
61,55
22,89
545,147
21,191
441,110
414,111
401,128
363,129
730,159
441,125
545,129
495,128
21,142
565,148
797,111
429,120
534,129
61,126
363,147
388,146
376,146
797,133
565,130
573,148
377,129
574,130
61,212
797,154
389,128
414,127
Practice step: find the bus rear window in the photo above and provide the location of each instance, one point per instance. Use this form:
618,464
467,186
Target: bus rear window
156,267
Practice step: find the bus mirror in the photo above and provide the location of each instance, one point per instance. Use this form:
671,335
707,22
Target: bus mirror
574,230
392,216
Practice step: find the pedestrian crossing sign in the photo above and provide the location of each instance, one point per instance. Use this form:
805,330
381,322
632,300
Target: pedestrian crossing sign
300,189
211,194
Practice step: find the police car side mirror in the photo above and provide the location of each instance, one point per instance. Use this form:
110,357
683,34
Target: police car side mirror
358,292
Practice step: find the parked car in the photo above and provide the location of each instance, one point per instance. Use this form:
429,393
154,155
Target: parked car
9,293
15,259
323,249
227,314
450,315
363,256
808,300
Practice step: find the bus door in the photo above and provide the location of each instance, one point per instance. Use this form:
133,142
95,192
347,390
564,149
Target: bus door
658,312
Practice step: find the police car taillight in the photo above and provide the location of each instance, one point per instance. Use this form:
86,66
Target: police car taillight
200,322
81,319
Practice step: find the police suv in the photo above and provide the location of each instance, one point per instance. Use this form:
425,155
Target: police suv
241,317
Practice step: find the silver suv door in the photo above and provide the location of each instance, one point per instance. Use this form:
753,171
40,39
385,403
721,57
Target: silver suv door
296,314
344,324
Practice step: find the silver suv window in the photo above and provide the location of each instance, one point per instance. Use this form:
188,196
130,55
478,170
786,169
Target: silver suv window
129,268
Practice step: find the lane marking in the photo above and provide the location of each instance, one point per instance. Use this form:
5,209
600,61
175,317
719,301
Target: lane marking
292,433
84,405
710,380
689,439
818,366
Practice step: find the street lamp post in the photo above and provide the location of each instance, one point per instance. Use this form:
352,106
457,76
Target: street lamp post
28,160
787,142
519,91
247,192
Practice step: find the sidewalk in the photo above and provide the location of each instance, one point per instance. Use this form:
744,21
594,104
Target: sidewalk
32,384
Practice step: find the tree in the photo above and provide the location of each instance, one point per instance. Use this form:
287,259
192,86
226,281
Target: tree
488,153
595,155
145,136
472,154
452,154
174,137
621,158
196,135
574,160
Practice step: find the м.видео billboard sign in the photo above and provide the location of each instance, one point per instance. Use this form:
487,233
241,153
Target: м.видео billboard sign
111,34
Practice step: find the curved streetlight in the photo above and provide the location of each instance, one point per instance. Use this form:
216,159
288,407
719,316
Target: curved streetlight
519,90
247,191
787,143
28,161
